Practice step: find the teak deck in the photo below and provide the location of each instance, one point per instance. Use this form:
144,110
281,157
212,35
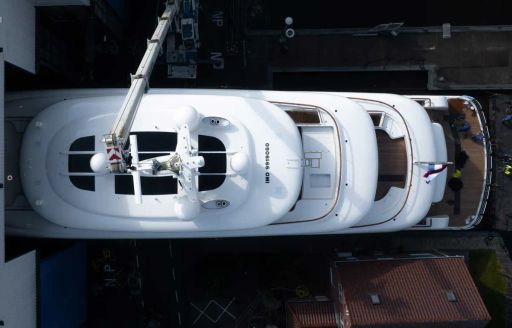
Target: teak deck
463,204
392,163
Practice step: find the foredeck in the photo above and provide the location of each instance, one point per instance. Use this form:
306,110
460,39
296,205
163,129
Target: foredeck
461,205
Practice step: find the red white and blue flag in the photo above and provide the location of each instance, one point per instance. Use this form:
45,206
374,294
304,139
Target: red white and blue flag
433,171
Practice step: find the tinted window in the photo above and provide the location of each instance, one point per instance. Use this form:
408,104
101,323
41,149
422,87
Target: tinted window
150,142
210,182
83,182
149,185
83,144
207,143
213,163
155,141
79,163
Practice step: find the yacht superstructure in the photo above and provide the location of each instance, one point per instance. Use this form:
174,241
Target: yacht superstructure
258,162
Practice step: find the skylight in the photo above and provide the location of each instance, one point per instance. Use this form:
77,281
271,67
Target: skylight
375,298
450,296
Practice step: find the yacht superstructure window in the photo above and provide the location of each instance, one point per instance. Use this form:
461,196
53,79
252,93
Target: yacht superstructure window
79,163
150,145
83,182
213,151
83,144
377,118
148,185
154,144
154,141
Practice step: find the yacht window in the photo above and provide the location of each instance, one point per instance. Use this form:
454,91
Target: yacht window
150,145
143,156
213,163
210,182
376,118
208,143
82,144
155,141
83,182
79,163
149,185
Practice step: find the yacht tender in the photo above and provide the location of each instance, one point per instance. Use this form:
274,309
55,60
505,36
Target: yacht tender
228,163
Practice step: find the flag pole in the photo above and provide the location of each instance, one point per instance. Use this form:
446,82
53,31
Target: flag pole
425,163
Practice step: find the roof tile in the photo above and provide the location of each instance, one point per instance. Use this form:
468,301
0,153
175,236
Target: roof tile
410,291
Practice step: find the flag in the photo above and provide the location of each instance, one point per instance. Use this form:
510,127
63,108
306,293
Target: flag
433,171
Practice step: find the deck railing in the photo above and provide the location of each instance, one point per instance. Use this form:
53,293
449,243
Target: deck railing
486,188
476,218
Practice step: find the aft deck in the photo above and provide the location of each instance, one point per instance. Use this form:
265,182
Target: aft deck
464,207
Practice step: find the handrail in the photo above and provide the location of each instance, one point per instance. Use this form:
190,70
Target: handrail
475,219
488,167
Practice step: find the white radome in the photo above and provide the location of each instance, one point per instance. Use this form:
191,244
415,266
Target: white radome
185,209
240,162
99,164
187,115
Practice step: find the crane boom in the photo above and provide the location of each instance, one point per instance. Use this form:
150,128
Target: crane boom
119,133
